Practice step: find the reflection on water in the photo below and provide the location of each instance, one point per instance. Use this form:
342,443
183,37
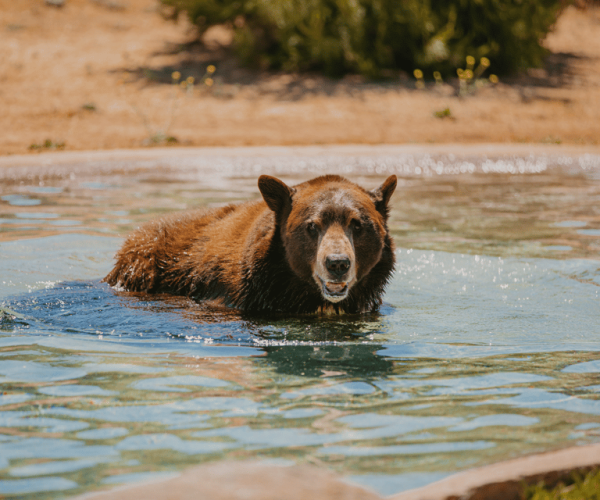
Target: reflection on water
487,346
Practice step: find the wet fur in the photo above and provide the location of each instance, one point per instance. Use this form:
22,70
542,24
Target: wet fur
256,256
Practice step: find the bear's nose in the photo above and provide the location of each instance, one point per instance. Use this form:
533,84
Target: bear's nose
337,264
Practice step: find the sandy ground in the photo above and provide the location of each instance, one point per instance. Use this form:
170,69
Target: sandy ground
95,74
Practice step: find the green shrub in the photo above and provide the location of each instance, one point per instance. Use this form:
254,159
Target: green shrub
375,37
578,487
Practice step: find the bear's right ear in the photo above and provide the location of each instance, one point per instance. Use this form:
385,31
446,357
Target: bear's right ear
277,194
381,196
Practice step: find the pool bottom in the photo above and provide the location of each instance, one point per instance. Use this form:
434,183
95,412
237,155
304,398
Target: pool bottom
261,480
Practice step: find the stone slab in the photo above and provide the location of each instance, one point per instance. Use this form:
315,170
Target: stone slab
503,480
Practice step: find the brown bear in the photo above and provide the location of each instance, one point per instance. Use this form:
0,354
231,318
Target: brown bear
319,246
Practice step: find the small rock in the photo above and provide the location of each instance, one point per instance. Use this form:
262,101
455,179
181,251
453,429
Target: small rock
111,4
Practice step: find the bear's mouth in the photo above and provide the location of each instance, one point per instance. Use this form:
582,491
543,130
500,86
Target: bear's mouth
334,291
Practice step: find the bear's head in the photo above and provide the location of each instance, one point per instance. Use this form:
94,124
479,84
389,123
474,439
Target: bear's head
333,230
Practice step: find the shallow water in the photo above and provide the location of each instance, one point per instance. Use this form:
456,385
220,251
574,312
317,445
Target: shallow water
487,346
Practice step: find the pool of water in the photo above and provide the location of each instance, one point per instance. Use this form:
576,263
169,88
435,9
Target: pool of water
487,346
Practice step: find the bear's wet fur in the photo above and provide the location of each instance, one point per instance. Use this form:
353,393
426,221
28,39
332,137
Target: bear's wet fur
319,246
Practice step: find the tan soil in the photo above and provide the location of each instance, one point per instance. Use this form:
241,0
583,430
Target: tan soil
116,56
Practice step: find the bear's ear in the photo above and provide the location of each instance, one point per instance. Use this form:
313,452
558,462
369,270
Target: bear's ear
381,196
276,193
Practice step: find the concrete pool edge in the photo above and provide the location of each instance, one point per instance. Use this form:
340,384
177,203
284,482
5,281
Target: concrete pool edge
72,157
503,480
261,480
244,480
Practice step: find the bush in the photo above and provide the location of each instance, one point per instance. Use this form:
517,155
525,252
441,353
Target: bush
576,487
375,37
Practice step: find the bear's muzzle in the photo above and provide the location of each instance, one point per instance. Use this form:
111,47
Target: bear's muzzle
335,270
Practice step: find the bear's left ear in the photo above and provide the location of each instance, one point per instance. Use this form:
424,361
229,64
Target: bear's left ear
277,194
381,196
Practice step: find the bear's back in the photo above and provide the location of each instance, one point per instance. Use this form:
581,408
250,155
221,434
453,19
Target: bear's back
165,255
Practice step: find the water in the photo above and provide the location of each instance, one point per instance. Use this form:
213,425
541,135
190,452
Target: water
487,346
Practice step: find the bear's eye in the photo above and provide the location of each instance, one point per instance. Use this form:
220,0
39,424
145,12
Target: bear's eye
311,228
356,225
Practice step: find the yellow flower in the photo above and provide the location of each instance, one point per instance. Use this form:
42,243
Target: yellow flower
418,74
468,74
485,62
493,79
470,60
460,72
183,84
437,75
209,82
211,69
176,75
190,80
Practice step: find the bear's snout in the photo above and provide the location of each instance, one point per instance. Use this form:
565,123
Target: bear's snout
337,265
335,270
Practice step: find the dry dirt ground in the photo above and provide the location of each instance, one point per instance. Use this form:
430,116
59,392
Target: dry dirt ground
95,74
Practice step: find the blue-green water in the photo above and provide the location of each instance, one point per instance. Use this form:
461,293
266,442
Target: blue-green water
487,346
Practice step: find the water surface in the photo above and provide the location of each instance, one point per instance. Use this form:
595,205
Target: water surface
487,346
